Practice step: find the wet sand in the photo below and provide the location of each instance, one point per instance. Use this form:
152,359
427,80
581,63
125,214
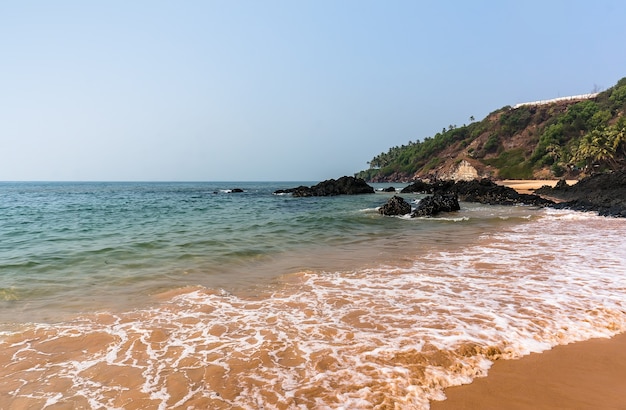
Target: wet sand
585,375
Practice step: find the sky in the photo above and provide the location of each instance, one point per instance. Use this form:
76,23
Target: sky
271,90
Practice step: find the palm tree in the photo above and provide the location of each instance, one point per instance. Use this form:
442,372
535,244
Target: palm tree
597,147
617,134
554,151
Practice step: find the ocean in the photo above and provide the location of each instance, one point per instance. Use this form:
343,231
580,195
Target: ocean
193,296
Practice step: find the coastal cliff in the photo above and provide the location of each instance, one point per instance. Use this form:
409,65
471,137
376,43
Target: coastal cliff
560,138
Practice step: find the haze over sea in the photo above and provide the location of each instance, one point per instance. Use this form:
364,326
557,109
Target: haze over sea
189,295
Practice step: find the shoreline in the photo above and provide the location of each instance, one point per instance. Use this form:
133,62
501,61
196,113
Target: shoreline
305,328
582,375
528,186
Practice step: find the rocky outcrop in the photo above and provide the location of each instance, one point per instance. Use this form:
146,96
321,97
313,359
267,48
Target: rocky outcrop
561,185
435,204
483,191
486,191
331,187
418,187
429,206
395,206
602,193
464,171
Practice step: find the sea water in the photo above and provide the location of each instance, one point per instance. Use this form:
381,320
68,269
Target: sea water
192,295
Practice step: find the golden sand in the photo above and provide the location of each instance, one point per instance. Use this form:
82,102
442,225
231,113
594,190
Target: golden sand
528,186
585,375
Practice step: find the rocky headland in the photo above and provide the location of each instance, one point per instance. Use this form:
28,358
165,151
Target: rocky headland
602,193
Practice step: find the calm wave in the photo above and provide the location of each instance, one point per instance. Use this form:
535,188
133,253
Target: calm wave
160,295
72,247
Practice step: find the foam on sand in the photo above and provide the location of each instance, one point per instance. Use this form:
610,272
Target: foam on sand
386,336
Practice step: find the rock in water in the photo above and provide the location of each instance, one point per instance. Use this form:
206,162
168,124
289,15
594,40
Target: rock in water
395,206
418,187
342,186
432,205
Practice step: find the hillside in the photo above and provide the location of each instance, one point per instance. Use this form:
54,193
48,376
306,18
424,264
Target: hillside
541,140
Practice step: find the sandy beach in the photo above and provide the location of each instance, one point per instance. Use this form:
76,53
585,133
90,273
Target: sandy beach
585,375
299,304
527,186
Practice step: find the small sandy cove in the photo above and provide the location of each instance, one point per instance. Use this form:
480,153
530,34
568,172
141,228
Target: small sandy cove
527,186
585,375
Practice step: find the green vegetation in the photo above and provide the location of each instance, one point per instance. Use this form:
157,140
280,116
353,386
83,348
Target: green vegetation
409,158
512,165
604,147
514,120
521,142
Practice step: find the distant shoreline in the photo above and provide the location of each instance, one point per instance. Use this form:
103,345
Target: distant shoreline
528,186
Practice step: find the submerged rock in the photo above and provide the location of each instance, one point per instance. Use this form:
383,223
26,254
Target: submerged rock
395,206
435,204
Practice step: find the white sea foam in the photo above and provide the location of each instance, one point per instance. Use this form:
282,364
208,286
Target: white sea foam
385,336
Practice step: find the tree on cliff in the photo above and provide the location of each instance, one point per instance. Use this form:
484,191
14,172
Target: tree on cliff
604,147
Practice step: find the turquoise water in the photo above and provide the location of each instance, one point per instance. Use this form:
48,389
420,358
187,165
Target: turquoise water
63,244
71,247
180,295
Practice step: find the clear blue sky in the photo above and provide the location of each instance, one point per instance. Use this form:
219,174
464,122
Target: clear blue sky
275,90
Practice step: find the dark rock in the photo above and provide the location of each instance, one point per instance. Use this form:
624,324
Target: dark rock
395,206
298,191
389,189
561,185
236,190
437,203
483,191
602,193
419,187
331,187
486,191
